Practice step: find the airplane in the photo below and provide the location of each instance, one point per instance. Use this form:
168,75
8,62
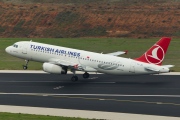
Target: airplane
58,60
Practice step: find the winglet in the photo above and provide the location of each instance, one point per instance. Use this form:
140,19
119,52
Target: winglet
156,54
126,51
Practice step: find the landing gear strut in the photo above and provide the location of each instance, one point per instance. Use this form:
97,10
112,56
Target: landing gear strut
86,75
74,77
25,66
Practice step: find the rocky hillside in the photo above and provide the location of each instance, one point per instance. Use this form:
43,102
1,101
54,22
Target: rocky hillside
89,18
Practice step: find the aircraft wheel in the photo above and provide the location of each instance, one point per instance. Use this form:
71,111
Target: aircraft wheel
25,67
86,75
74,78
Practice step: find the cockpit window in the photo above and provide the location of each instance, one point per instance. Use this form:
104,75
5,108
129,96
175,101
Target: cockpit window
16,46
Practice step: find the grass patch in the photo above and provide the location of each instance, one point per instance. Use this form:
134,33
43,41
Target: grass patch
136,47
11,116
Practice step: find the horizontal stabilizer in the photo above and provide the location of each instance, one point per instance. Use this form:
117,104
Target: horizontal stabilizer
151,69
168,66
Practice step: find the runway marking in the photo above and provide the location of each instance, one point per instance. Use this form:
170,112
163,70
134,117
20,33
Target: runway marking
29,81
132,101
102,99
78,96
65,81
92,78
102,95
59,87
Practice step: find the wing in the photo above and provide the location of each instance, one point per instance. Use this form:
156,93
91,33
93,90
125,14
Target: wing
117,53
62,62
72,65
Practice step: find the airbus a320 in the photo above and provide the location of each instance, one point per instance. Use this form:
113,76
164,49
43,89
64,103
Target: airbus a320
59,60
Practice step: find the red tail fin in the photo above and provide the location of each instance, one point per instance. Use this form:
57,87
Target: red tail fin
156,54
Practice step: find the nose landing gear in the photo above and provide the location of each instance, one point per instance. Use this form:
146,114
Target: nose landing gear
26,65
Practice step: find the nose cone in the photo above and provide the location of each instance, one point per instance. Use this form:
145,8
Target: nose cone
7,49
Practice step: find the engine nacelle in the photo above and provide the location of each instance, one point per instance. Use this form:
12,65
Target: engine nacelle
55,69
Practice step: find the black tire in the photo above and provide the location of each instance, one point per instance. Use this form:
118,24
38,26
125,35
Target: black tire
86,75
25,67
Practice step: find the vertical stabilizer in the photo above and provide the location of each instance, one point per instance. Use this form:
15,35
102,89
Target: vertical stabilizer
156,54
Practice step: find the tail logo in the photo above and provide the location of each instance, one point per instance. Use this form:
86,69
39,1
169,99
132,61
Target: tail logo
155,55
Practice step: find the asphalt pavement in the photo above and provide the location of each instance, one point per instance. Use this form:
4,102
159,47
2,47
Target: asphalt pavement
146,94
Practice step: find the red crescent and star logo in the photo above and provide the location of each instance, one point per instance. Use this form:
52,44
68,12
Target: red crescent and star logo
155,55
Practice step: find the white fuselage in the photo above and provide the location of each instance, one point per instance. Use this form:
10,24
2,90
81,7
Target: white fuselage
90,61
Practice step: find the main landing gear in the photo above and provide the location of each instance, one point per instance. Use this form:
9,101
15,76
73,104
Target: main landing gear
75,78
86,75
25,66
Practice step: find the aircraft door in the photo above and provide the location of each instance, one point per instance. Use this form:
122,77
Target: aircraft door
24,48
25,52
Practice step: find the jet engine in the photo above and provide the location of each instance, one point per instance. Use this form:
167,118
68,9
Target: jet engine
55,69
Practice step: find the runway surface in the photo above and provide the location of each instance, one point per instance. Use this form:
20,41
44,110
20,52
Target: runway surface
150,95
